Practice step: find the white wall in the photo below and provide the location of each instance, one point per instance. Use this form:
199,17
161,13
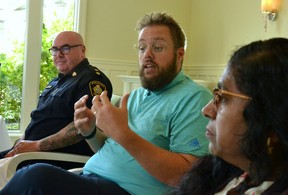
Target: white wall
214,29
219,27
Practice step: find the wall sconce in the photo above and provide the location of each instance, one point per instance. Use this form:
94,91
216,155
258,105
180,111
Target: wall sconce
269,8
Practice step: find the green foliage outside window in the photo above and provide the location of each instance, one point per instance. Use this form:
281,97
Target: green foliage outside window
11,72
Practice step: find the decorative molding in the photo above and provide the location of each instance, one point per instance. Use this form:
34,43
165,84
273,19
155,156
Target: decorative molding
205,72
114,62
114,68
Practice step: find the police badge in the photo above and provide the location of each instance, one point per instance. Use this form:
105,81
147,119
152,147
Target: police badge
96,88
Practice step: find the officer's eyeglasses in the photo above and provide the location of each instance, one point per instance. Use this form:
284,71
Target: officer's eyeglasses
65,49
218,96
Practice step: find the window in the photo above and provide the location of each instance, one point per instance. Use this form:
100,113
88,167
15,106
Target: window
56,13
12,30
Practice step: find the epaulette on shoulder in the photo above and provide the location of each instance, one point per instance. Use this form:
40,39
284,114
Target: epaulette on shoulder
97,71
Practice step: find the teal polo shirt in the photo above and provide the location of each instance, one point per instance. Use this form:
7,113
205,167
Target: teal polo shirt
170,118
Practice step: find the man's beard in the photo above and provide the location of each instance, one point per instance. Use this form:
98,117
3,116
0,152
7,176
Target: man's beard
164,77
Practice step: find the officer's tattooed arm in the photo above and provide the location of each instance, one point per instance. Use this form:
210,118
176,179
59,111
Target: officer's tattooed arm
65,137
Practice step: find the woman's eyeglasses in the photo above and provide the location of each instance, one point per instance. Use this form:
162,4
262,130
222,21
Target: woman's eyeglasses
218,96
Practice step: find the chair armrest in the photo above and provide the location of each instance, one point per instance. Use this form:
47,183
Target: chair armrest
14,162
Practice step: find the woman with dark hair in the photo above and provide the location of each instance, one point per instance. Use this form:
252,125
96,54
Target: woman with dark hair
248,128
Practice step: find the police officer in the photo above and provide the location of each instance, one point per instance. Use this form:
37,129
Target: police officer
51,127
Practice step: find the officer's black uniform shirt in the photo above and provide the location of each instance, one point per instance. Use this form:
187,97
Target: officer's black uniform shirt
55,108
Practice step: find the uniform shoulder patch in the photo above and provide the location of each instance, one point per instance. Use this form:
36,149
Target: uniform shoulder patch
96,88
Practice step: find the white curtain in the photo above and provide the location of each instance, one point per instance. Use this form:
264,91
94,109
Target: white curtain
5,142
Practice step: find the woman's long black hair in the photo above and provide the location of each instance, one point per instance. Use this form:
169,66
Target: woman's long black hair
260,70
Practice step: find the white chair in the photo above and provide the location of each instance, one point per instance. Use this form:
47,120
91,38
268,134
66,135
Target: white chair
8,166
17,159
5,142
